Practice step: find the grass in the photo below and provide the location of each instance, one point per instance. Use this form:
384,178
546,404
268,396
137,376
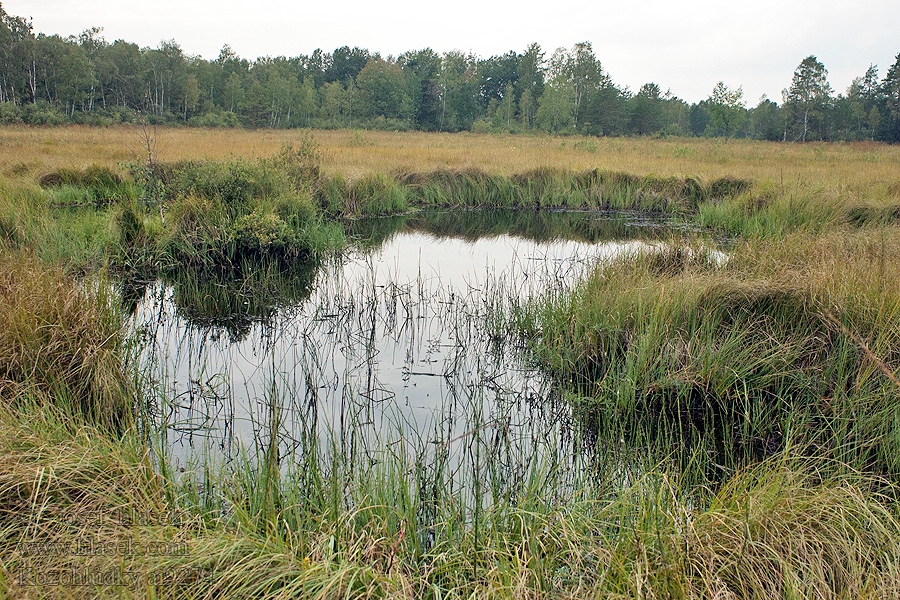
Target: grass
61,343
785,528
268,194
798,335
762,392
794,186
851,168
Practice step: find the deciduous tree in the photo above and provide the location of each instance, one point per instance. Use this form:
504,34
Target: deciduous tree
726,108
809,93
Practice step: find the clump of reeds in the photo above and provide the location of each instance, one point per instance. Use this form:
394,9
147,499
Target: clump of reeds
873,215
60,340
73,498
796,529
93,186
92,176
799,335
332,528
561,188
460,188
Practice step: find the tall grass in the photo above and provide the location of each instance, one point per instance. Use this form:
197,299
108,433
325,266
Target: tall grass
79,238
792,183
61,342
785,528
540,188
336,525
217,212
795,338
852,168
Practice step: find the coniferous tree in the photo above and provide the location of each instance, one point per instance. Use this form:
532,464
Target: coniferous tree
889,95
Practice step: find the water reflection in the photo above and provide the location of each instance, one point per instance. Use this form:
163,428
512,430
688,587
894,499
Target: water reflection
388,348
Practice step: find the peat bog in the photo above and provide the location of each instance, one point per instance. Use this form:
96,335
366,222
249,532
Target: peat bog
326,379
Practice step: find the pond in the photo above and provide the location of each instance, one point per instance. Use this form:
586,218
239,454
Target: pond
395,349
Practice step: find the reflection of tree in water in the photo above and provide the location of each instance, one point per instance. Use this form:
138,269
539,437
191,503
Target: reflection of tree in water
371,233
133,291
536,225
234,300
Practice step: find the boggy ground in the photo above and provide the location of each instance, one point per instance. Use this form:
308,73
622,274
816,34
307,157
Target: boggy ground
765,388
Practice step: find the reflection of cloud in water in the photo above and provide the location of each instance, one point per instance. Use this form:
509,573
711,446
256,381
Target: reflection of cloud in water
466,267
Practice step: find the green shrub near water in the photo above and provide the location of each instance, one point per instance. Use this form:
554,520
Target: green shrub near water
263,233
221,213
191,213
234,183
205,232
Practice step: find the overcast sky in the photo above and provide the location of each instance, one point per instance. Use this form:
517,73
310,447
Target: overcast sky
684,46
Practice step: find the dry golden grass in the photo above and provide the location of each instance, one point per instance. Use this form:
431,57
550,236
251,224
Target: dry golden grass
858,169
78,503
60,342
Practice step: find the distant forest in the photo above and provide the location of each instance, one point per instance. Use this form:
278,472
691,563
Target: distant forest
48,80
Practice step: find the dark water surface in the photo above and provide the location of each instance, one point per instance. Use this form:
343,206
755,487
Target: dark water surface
392,347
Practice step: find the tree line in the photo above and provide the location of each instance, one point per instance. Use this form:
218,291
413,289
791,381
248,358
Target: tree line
49,79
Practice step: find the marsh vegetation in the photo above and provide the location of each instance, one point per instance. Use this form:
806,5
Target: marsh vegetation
319,368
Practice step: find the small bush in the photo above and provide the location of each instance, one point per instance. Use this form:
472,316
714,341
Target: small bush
299,164
10,113
42,113
263,234
296,209
215,119
236,182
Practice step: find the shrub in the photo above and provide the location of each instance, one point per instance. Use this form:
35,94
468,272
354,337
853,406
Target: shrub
10,113
263,233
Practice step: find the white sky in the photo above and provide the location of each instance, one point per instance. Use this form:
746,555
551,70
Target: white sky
684,46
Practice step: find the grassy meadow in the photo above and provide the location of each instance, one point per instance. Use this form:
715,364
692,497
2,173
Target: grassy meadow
762,391
858,167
